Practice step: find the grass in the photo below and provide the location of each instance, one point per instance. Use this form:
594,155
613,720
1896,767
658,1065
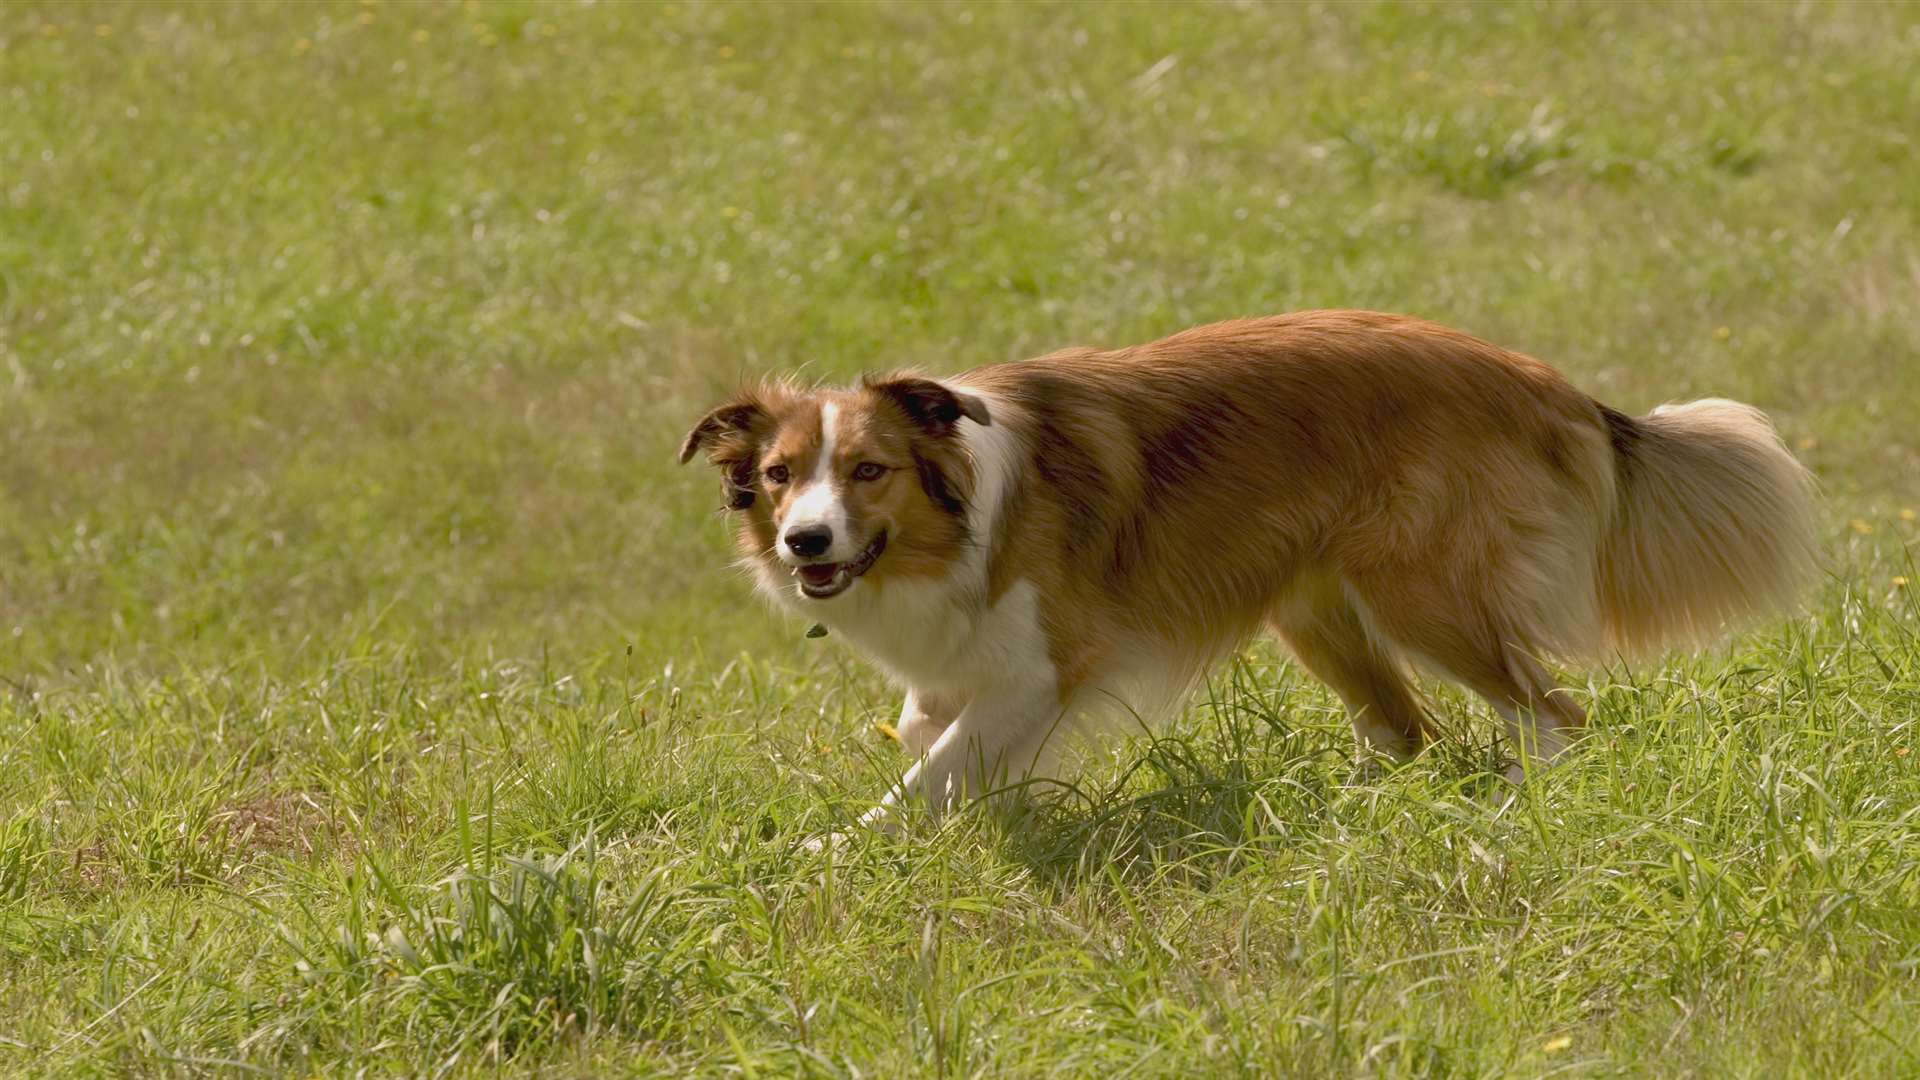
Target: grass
375,697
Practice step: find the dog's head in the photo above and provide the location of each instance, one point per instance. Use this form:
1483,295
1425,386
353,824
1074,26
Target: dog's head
832,485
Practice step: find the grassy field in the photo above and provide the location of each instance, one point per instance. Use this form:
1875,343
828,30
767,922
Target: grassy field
374,695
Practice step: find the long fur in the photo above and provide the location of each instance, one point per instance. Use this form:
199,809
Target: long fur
1713,521
1087,532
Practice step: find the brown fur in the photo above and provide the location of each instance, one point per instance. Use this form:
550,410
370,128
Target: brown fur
1196,488
918,501
1375,488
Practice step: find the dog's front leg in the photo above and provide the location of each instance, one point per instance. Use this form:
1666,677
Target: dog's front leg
1006,734
924,717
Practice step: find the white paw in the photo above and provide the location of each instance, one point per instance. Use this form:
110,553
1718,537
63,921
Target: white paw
821,843
881,819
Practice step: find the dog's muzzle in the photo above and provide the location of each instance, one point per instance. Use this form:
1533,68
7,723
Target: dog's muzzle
823,580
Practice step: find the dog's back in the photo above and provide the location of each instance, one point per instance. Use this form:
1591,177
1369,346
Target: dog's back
1193,483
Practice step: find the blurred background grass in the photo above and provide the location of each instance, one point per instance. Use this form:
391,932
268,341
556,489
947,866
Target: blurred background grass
327,321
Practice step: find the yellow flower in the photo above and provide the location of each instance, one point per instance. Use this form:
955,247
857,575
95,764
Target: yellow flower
888,730
726,52
419,35
1861,526
1557,1044
1722,333
729,211
1899,581
1908,514
1808,442
302,45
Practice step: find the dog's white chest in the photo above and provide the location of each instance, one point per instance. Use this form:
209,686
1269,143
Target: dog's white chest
919,630
929,634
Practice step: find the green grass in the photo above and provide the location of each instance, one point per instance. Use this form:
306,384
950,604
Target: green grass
374,694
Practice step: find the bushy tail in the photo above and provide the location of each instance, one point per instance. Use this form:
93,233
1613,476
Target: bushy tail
1713,520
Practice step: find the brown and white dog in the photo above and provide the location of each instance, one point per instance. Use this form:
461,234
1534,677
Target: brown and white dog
1032,544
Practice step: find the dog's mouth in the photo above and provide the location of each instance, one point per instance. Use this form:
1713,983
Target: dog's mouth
819,581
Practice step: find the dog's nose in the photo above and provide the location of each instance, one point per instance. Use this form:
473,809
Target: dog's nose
807,541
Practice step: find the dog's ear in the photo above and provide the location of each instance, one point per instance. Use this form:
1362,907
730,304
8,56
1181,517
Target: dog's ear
729,431
934,406
733,419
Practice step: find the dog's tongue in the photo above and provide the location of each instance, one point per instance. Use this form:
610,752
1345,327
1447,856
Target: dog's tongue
821,575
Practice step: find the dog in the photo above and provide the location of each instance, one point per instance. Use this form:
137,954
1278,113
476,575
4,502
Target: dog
1032,546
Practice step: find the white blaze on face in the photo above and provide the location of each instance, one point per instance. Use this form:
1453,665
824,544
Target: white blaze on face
820,500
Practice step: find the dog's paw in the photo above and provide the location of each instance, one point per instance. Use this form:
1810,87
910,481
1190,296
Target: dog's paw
1371,767
819,844
1518,772
883,819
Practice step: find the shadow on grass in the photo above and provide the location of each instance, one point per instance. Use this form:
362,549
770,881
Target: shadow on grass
1247,781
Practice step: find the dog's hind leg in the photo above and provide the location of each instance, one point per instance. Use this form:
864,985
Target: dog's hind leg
1541,716
1469,643
1330,640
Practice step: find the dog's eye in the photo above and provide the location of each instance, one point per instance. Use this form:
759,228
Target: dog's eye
869,470
775,474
